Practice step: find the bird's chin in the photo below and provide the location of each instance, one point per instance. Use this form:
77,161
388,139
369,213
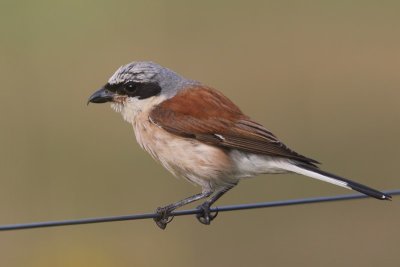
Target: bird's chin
117,106
119,103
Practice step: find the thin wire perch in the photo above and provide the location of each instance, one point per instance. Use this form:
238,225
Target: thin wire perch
189,212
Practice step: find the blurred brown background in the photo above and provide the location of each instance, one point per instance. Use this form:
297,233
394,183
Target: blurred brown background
322,75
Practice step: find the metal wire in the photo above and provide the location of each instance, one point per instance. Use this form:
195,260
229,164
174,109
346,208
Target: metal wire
188,212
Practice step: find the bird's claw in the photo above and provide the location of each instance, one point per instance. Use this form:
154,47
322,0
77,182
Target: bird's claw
205,217
164,217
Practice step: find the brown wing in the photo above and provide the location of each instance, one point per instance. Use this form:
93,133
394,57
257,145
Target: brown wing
208,116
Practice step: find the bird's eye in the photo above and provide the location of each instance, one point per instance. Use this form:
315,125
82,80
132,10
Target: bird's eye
130,87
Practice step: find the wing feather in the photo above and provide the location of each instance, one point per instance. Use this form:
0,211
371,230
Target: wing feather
205,114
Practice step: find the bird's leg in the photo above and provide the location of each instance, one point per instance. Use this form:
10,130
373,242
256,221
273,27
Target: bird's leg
205,217
164,213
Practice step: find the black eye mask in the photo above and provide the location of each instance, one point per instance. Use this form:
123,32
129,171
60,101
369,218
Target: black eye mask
135,89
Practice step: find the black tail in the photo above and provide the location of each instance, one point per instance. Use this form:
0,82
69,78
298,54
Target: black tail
347,183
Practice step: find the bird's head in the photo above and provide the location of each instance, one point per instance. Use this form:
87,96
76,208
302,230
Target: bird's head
138,86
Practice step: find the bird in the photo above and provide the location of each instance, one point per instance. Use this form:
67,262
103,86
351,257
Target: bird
199,134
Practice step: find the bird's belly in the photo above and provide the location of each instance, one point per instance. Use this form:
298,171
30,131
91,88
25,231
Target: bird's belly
249,164
202,164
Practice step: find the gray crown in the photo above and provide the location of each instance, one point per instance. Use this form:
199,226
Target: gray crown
150,72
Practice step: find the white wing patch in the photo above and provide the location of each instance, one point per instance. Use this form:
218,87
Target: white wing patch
220,137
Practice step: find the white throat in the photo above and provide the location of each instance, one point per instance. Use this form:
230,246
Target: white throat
132,107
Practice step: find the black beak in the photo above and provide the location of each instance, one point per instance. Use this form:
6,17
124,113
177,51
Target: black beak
101,96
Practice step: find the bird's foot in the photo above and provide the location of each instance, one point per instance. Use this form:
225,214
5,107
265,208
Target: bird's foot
205,217
164,217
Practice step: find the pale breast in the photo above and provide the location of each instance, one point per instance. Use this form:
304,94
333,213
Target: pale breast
202,164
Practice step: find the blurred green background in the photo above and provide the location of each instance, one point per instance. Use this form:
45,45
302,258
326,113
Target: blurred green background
322,75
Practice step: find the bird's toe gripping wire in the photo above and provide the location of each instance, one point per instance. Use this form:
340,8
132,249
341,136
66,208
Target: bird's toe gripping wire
205,216
164,217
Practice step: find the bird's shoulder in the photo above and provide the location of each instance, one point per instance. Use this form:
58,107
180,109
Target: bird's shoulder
201,102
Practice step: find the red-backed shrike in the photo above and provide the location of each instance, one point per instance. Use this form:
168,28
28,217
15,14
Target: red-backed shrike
197,133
